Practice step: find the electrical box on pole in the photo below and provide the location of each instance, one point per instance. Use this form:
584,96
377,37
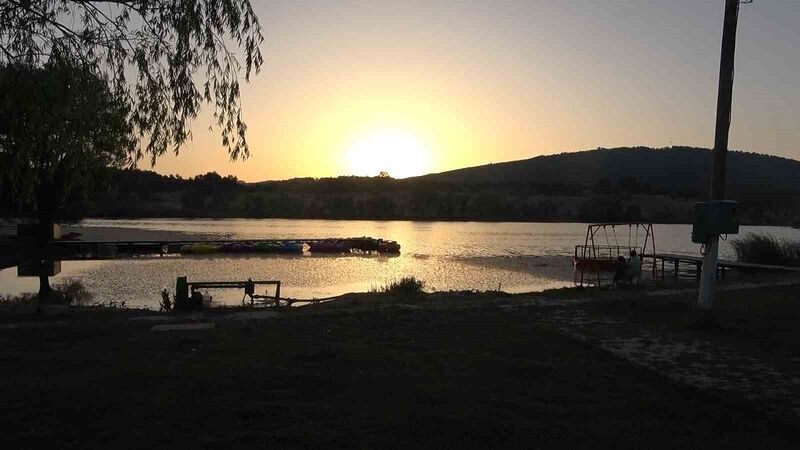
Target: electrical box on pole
714,218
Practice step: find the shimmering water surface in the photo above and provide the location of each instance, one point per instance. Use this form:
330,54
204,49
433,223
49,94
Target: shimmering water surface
514,257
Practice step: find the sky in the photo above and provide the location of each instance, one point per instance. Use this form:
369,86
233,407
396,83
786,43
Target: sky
411,87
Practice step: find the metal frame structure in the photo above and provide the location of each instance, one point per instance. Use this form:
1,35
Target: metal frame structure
594,257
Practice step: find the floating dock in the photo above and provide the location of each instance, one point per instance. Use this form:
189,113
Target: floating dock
98,250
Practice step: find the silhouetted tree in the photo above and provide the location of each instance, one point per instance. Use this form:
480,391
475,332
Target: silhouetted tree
193,202
256,206
632,213
603,186
153,62
162,57
58,125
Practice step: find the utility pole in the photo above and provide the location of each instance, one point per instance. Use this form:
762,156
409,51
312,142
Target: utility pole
724,97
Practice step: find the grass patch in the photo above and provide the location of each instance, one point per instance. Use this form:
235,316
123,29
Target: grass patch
467,378
404,286
762,248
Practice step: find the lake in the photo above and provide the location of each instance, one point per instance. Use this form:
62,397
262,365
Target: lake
514,257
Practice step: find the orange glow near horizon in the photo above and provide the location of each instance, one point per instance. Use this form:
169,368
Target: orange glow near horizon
395,151
355,88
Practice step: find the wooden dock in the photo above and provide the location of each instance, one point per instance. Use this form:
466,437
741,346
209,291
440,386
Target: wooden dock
690,266
98,250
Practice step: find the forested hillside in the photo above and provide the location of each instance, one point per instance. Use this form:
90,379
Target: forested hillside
659,185
674,169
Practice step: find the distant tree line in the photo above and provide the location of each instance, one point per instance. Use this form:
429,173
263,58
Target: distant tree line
138,193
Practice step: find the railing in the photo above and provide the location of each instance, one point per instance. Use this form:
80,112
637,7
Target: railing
604,251
193,285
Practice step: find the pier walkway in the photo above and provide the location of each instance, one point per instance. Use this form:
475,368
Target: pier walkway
14,252
690,266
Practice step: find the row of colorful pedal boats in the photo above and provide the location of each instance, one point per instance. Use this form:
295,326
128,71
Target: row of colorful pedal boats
349,245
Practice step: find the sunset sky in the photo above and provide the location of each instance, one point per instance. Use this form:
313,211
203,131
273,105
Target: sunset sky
412,87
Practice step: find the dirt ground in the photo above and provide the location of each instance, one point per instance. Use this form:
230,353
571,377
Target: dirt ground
371,371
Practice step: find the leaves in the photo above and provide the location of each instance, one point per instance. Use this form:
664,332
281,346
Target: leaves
59,123
163,58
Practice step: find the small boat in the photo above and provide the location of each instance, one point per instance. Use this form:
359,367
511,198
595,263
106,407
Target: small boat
364,244
329,246
236,247
388,247
266,247
172,248
199,248
290,247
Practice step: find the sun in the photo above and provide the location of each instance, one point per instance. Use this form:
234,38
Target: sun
398,152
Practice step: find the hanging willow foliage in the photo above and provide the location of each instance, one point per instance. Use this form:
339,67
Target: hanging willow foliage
163,58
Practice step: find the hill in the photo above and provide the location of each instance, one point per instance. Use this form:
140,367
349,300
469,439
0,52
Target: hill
675,169
659,185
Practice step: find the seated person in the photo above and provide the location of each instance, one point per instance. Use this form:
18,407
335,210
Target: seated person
634,268
197,299
620,271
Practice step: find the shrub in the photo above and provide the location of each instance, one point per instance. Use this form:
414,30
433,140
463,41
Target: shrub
18,299
65,292
72,292
404,286
761,248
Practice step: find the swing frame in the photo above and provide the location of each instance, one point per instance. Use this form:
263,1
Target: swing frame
593,258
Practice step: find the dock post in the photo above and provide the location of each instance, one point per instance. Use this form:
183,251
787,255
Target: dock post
277,292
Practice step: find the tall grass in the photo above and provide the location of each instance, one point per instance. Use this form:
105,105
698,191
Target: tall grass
65,292
761,248
404,286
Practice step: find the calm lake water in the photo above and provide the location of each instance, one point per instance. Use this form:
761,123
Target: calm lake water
516,257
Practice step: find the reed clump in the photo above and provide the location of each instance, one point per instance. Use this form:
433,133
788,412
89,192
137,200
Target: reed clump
404,286
762,248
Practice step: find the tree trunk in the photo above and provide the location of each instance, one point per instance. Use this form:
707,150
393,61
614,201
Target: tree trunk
44,234
45,291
